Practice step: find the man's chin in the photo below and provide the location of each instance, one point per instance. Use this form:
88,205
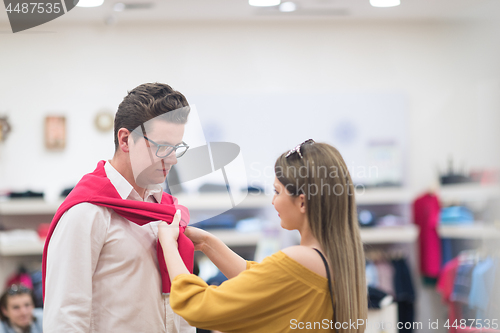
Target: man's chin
151,182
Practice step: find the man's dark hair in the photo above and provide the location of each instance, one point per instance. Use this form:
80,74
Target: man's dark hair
147,101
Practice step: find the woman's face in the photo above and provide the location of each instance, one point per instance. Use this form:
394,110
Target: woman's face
19,310
287,206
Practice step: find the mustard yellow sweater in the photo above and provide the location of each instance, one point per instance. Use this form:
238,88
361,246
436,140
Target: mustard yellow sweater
277,295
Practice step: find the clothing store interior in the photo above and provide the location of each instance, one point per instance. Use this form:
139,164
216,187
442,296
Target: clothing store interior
407,91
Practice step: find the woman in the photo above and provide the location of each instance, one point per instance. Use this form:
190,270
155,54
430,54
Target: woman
18,311
289,290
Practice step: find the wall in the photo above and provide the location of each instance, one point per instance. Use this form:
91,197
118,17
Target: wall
448,71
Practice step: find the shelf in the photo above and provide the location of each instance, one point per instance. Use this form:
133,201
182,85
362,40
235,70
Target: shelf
218,201
28,207
381,235
230,237
383,196
235,238
207,201
215,201
473,231
468,192
22,249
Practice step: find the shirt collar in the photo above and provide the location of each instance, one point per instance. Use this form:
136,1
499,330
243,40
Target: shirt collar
126,190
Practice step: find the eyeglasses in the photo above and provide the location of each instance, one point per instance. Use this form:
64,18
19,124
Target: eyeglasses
18,289
163,151
297,148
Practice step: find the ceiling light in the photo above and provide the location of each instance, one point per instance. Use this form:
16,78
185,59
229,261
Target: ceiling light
263,3
90,3
385,3
119,7
288,7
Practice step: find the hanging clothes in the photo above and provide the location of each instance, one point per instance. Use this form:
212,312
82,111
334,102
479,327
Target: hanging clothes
404,294
483,279
426,216
385,273
371,274
445,286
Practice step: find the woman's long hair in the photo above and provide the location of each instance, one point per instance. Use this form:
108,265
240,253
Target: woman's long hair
322,176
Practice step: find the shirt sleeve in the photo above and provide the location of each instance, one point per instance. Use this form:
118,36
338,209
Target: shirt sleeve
251,263
243,299
72,257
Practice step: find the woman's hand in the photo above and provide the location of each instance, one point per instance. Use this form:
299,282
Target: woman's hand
168,233
199,237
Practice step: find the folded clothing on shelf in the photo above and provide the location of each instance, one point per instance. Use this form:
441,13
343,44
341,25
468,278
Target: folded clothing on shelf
27,194
19,236
456,214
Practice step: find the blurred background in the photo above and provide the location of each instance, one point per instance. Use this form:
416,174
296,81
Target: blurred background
409,94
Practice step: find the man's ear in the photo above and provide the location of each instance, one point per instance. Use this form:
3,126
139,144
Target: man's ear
124,137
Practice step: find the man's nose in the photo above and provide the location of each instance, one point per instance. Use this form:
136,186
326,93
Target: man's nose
171,159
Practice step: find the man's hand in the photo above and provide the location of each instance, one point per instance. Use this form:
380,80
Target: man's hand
168,233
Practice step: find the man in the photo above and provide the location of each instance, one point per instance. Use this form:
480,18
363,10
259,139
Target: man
18,313
102,263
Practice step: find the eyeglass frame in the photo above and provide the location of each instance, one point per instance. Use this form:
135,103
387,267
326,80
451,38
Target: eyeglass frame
174,148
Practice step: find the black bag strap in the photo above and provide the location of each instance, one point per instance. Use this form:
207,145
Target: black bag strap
329,284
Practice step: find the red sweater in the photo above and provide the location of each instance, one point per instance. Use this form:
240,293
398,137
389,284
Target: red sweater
96,188
426,216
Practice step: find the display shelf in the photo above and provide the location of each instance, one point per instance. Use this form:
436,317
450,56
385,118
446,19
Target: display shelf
195,202
230,237
28,207
383,196
236,238
22,249
472,231
396,234
207,201
222,201
468,192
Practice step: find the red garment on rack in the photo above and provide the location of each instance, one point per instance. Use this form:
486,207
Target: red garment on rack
445,285
96,188
426,216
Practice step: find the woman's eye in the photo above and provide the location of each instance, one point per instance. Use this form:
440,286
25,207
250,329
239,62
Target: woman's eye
275,191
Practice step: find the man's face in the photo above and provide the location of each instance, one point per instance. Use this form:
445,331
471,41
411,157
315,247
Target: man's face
19,310
149,169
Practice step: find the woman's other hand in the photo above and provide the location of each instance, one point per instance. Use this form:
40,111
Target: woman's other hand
168,233
199,237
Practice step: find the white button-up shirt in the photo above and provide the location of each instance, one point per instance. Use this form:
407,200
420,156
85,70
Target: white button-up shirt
103,274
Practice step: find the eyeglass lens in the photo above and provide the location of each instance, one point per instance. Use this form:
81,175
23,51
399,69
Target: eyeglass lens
164,151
